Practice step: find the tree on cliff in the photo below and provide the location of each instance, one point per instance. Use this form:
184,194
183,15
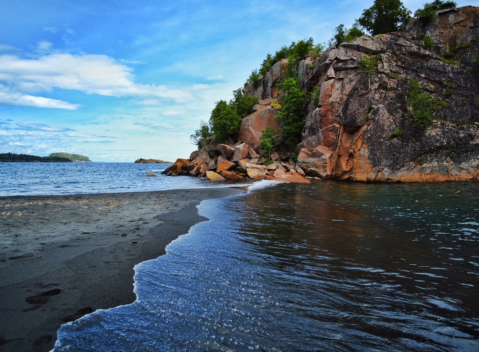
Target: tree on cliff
224,121
342,34
268,140
384,16
242,103
201,134
292,99
428,13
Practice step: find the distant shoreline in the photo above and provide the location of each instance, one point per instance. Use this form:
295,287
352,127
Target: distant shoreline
151,161
53,157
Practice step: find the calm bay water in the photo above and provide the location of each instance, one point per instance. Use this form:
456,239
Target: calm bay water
322,267
84,178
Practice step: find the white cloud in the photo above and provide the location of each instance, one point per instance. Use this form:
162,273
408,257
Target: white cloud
17,144
91,74
10,97
4,47
172,112
41,127
44,46
216,77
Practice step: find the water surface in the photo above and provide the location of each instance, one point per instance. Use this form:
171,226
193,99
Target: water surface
26,179
322,267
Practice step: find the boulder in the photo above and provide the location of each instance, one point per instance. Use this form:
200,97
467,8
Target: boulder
252,126
255,166
223,164
178,168
275,156
242,164
150,174
280,171
299,171
253,154
241,151
213,176
256,174
199,157
229,175
289,178
203,169
225,150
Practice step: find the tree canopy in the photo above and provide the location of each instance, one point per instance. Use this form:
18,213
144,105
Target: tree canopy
342,34
428,13
293,100
384,16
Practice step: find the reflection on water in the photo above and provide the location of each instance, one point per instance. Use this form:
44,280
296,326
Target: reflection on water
321,267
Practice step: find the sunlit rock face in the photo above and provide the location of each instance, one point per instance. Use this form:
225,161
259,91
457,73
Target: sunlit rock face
361,127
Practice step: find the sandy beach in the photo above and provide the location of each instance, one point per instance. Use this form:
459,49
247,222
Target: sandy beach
64,256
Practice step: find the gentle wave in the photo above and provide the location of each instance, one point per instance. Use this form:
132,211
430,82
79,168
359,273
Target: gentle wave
271,271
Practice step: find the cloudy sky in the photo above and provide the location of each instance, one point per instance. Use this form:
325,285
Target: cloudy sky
118,80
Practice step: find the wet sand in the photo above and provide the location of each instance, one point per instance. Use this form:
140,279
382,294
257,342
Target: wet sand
65,256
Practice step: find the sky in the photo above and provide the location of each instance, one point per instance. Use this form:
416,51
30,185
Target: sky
119,80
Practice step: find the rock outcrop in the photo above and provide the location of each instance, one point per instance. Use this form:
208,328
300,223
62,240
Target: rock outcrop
362,128
362,133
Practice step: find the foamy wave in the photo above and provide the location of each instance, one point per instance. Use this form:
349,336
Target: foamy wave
263,184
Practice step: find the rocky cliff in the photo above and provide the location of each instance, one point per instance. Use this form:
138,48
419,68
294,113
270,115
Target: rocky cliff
361,127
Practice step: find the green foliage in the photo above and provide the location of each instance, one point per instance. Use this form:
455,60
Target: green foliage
315,95
253,79
301,49
201,134
368,66
72,157
448,61
428,13
319,49
475,66
354,32
441,104
342,34
294,157
224,121
292,99
428,42
396,134
12,157
422,104
384,16
449,91
268,140
296,51
339,34
269,162
242,103
456,50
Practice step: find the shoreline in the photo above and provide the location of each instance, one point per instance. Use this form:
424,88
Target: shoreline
65,256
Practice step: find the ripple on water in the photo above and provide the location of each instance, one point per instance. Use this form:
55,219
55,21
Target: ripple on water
273,275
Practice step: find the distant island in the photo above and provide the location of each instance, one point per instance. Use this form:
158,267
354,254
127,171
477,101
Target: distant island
151,161
72,157
54,157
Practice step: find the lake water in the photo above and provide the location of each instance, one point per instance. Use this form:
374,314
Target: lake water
85,178
323,267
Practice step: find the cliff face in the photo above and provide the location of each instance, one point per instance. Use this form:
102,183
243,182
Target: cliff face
349,134
362,127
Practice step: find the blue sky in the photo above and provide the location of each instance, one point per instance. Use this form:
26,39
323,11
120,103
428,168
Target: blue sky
120,80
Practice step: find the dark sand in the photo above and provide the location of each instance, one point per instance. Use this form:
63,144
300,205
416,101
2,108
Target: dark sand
64,256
